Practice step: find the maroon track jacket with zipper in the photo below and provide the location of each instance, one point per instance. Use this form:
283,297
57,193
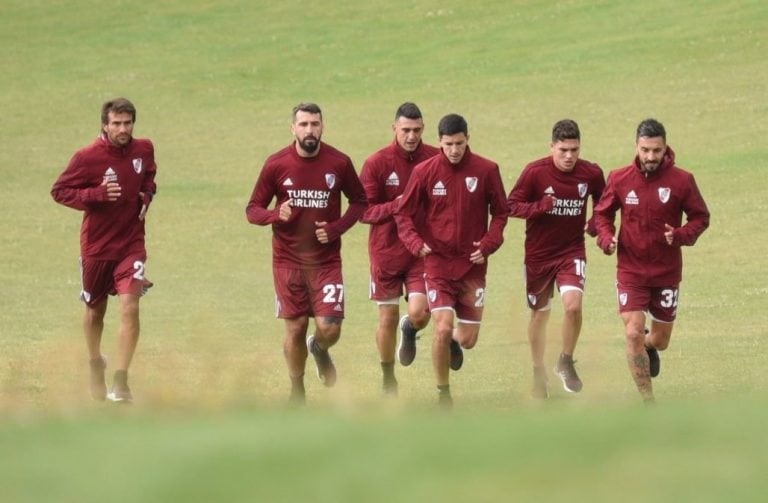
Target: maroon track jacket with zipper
648,201
384,177
455,201
111,229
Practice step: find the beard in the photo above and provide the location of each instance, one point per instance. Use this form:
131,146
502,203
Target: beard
309,144
649,166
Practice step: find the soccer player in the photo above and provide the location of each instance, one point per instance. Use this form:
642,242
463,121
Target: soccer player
306,179
112,181
454,192
393,268
551,195
652,194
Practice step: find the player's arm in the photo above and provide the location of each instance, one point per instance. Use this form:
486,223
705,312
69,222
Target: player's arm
697,216
605,216
499,211
148,187
74,189
408,205
379,209
597,186
521,202
257,211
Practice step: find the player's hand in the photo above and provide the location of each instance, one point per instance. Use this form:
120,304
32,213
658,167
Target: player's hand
284,213
145,200
320,232
547,202
425,250
612,247
113,190
670,234
477,257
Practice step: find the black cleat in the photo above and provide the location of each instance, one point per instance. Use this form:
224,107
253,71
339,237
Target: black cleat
457,355
326,370
406,350
654,361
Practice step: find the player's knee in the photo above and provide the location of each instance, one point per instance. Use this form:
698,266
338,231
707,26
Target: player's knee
635,337
444,334
420,320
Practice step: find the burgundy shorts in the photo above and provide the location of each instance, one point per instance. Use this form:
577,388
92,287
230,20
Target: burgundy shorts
465,296
309,292
540,280
387,285
659,303
109,277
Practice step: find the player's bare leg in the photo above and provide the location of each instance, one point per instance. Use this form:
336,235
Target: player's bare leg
441,353
128,333
295,352
418,310
570,333
637,357
327,333
537,340
386,339
93,327
127,339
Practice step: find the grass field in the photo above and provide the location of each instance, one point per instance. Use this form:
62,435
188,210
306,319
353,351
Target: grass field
214,84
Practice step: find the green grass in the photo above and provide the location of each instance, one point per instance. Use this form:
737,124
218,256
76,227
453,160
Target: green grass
214,83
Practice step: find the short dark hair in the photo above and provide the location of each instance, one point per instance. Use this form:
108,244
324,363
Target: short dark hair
565,129
452,124
117,105
310,108
651,128
409,111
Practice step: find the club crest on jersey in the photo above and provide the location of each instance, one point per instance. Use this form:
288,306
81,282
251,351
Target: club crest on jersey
137,165
532,299
432,294
330,180
582,189
623,299
664,193
471,182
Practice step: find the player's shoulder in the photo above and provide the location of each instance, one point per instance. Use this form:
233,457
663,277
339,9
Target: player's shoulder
383,155
483,163
538,164
623,172
588,165
331,152
142,145
280,155
427,151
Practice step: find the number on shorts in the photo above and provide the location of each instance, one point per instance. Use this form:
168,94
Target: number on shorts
480,297
333,293
670,297
581,268
139,267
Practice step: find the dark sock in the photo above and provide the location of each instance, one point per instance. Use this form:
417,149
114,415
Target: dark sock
297,385
388,371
